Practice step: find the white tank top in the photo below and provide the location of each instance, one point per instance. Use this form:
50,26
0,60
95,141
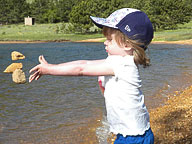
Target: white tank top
126,111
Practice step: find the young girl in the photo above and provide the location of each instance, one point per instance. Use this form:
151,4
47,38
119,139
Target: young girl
128,32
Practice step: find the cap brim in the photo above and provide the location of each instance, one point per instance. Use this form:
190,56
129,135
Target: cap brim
101,22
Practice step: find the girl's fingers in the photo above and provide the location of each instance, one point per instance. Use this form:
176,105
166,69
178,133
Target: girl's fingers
34,76
37,77
43,59
40,59
37,72
34,69
31,78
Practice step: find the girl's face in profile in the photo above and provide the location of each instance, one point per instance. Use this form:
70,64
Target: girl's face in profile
112,47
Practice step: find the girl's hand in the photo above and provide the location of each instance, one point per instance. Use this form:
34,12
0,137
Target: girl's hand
39,70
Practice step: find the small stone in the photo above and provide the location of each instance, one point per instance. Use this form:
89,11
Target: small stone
12,67
18,76
17,55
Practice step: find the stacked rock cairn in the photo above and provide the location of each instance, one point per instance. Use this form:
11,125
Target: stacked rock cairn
18,76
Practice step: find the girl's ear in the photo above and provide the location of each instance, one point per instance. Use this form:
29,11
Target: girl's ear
127,47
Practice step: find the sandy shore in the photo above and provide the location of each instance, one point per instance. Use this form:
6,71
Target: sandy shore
28,41
92,40
185,42
15,42
172,123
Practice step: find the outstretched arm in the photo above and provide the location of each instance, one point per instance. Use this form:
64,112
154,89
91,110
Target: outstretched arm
75,68
82,62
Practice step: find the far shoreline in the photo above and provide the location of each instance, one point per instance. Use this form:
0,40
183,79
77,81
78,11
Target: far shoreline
182,42
28,41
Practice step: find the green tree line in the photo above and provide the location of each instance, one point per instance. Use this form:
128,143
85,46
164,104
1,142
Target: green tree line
164,14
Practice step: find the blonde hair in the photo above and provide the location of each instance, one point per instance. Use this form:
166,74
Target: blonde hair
139,54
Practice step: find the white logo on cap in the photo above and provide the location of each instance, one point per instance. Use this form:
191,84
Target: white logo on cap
127,28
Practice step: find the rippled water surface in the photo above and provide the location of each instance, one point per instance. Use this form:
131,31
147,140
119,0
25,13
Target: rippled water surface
58,109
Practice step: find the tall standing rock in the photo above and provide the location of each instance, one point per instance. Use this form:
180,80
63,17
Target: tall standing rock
18,76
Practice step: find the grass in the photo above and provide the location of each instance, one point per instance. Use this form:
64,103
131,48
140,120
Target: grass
50,32
39,32
29,1
184,32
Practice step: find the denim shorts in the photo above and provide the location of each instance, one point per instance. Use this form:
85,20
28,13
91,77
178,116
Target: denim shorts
146,138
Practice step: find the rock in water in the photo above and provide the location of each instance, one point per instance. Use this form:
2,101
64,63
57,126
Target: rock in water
17,55
18,76
12,67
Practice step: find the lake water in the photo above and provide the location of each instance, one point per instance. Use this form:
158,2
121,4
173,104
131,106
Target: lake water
58,109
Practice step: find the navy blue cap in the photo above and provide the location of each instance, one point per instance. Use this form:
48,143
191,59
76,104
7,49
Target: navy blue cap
132,22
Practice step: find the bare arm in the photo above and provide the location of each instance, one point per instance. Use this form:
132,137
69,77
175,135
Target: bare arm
75,68
83,62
